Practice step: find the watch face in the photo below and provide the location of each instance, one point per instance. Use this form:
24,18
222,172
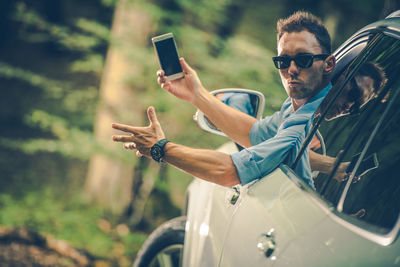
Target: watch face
156,152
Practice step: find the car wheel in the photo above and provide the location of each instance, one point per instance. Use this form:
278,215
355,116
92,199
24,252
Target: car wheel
164,246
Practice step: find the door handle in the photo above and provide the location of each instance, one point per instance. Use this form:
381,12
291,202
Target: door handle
235,193
266,243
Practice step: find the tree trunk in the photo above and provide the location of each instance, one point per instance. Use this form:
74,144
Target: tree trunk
233,14
109,180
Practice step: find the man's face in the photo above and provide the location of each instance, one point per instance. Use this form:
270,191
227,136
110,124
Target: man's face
367,86
300,83
345,101
358,90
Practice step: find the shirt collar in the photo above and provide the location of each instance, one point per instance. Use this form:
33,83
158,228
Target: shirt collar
315,101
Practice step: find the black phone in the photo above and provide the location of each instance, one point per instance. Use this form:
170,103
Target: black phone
167,54
367,164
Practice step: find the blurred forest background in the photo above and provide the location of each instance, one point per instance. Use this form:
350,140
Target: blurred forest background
68,68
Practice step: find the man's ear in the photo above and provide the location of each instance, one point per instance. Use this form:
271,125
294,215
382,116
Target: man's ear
329,64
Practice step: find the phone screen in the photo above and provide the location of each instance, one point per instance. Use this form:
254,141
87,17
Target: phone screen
168,56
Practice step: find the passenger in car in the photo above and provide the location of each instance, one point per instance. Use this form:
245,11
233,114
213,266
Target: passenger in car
363,87
304,62
366,84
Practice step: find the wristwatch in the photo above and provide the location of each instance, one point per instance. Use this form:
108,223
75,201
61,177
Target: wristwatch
157,150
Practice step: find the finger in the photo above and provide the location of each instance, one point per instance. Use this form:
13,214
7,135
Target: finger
151,114
139,154
359,214
160,73
185,67
127,128
166,86
161,80
130,146
356,179
123,138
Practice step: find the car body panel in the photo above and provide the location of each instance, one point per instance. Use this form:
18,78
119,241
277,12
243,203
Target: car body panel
339,246
274,202
204,234
307,230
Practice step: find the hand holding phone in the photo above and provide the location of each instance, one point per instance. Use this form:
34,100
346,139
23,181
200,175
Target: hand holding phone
367,164
167,54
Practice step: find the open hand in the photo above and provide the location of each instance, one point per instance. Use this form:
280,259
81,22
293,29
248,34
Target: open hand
185,88
140,138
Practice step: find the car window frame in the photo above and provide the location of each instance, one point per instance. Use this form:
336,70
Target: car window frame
355,133
371,232
344,194
354,65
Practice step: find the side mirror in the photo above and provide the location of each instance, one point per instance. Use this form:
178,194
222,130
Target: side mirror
247,101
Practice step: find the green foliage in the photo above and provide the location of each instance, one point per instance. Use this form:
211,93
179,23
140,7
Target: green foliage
95,28
109,3
205,14
53,89
70,142
89,63
70,219
156,12
63,35
242,64
67,107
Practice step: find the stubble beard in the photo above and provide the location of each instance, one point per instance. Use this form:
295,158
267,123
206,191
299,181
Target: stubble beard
303,93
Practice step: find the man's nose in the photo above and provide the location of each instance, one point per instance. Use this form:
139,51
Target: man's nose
293,69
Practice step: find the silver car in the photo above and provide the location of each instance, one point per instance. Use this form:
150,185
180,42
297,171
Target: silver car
351,218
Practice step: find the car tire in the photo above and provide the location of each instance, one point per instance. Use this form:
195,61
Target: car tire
164,246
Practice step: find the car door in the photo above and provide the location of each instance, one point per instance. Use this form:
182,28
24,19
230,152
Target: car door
273,212
282,222
363,227
209,211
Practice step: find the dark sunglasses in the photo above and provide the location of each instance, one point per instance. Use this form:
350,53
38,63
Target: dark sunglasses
303,61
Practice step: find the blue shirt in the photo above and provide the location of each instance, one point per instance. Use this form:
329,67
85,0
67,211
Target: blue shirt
277,139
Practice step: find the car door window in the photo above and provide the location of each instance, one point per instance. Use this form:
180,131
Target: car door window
369,177
374,194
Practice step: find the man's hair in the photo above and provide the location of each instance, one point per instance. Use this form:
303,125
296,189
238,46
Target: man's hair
376,73
302,20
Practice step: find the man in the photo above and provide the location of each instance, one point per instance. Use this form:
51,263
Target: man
365,85
304,64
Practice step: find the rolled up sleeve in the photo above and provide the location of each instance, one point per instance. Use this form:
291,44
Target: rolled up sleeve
259,160
277,139
264,129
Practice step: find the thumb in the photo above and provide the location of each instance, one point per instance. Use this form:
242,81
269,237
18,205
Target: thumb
185,67
151,114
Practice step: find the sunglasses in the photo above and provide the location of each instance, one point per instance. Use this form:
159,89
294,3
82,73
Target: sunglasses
303,61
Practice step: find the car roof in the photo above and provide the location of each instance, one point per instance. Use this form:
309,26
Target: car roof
389,25
346,52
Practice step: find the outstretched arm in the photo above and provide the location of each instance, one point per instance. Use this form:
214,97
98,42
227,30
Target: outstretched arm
209,165
325,164
235,124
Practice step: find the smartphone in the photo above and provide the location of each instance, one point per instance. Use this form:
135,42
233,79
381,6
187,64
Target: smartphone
167,54
367,164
